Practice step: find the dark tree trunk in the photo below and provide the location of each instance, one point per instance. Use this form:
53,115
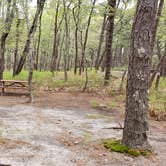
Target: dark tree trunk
109,39
159,11
67,40
55,46
38,44
76,17
101,58
86,37
157,70
136,118
8,23
60,52
163,64
40,6
17,42
100,42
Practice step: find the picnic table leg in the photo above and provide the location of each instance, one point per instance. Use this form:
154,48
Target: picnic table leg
3,88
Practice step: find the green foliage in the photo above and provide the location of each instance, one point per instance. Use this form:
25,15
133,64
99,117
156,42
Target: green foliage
157,98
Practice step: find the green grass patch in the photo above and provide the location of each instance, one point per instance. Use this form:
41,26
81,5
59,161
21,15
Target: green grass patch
98,116
113,104
157,98
94,104
116,146
46,81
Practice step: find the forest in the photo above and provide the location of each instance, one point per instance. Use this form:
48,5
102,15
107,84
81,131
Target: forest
83,82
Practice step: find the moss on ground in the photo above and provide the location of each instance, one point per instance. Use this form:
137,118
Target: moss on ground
116,146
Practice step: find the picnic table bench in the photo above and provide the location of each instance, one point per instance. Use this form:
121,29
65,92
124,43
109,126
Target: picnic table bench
13,84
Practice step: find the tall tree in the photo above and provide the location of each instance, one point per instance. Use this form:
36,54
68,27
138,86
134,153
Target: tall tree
101,40
76,16
84,44
40,6
109,39
136,118
38,43
5,33
18,21
55,46
67,38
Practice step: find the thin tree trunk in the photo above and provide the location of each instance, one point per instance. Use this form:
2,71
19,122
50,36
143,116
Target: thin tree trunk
122,81
40,6
76,20
60,53
157,81
66,53
55,46
159,11
100,42
163,64
160,68
8,24
86,37
109,39
17,42
39,40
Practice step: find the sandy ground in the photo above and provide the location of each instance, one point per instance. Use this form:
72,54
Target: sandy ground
62,130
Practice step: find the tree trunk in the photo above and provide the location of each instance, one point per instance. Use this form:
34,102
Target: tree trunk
55,46
17,42
86,37
136,118
40,6
60,53
100,42
163,64
109,39
76,17
157,19
8,24
38,44
66,53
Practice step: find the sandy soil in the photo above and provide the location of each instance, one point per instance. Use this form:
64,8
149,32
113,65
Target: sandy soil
63,130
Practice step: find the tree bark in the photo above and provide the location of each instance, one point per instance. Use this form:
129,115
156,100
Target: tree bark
55,46
86,37
100,42
40,6
39,40
5,33
66,53
136,118
76,21
109,39
17,41
163,64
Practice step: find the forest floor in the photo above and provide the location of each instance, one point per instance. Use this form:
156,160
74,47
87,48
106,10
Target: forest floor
65,129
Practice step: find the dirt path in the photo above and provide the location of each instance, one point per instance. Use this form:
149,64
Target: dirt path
36,136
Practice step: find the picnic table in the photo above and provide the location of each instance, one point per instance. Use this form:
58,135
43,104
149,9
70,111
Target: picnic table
13,84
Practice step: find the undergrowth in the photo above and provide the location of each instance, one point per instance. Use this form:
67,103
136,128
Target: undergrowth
45,81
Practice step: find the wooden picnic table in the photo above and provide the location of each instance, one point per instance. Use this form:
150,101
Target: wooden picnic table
13,84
